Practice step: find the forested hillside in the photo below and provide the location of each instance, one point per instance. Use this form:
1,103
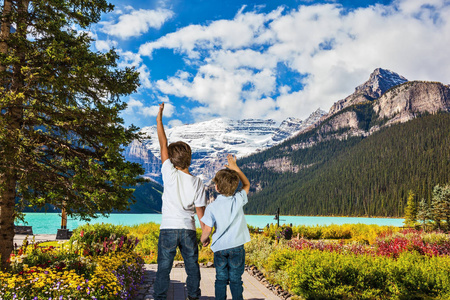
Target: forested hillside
358,176
148,198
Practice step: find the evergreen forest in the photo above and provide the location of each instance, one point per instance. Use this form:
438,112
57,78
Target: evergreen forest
356,176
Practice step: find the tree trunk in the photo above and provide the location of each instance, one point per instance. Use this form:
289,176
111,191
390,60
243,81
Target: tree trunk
7,196
13,114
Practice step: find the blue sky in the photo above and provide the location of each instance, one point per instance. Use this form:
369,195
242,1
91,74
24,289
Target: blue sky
267,59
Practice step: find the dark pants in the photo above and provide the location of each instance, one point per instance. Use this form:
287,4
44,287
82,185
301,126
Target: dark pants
230,265
169,240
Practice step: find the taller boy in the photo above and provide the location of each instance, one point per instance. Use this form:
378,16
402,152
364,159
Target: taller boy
183,196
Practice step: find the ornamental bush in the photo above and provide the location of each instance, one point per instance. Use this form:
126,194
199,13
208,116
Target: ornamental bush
409,264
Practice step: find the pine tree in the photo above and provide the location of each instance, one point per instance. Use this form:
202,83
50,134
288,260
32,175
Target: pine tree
410,210
423,213
440,205
61,137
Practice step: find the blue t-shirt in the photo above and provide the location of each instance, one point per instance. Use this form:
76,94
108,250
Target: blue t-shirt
227,215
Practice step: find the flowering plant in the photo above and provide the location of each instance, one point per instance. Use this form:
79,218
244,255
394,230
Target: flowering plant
284,232
102,269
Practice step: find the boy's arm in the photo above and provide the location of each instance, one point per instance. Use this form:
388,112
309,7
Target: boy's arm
233,166
206,231
200,212
162,135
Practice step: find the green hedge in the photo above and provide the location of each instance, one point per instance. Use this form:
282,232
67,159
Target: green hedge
329,275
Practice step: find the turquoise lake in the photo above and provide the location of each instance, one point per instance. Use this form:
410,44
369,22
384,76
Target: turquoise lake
48,223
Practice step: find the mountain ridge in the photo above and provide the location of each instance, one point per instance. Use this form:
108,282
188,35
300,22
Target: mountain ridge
340,133
212,140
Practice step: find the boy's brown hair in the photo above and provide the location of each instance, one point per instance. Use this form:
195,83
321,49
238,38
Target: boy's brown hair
180,154
227,181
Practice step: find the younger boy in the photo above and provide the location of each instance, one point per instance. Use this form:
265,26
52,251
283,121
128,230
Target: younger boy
226,214
183,196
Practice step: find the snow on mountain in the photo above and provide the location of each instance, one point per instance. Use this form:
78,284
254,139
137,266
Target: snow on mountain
212,140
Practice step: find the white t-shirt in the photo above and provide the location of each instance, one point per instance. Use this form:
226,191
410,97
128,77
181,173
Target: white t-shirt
182,193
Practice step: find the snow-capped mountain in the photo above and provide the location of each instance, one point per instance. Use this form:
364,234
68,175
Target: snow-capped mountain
212,140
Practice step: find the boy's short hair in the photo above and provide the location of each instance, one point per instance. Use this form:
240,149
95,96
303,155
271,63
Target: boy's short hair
180,154
227,181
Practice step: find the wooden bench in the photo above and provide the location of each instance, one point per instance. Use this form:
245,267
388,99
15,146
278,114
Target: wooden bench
26,230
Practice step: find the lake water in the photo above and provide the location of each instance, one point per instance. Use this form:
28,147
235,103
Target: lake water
48,223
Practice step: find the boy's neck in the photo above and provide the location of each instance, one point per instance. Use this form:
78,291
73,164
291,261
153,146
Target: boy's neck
186,170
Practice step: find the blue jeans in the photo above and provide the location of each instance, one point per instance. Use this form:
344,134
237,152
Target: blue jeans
169,240
230,265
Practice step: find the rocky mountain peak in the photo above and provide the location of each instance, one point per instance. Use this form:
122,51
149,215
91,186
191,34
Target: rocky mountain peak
378,83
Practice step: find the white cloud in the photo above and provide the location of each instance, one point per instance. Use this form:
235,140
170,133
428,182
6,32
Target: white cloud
138,108
137,22
129,59
243,31
175,123
105,45
237,59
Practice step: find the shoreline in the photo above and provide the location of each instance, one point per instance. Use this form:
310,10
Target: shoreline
264,215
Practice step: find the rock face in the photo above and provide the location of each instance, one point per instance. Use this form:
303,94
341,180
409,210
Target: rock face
379,82
347,119
404,102
385,99
212,140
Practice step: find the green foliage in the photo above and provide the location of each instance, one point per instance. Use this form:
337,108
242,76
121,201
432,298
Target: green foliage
62,136
356,176
91,233
148,235
361,233
258,250
410,210
61,133
315,274
423,213
440,205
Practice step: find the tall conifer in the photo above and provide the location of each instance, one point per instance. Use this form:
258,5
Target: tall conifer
61,137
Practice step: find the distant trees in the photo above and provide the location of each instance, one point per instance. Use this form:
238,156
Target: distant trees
424,213
356,176
440,206
438,213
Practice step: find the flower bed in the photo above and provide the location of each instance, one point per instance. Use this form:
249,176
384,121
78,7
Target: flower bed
408,264
94,268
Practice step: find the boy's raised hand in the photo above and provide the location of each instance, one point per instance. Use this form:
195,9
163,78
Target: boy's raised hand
232,165
161,108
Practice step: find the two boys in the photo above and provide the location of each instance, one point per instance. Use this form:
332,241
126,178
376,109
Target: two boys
184,195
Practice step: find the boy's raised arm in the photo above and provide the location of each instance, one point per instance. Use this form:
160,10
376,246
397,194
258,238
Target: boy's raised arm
161,134
233,166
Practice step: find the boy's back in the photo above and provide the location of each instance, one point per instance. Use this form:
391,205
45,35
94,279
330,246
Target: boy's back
227,215
182,193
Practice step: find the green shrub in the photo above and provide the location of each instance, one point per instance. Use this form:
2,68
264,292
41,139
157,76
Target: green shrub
257,251
315,274
90,233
